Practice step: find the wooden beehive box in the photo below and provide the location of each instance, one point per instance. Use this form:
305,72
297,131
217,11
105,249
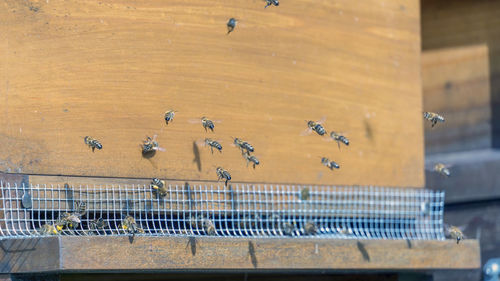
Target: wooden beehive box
110,69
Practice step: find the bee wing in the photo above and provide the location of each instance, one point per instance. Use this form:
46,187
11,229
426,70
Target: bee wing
160,149
194,121
306,132
322,120
200,143
217,121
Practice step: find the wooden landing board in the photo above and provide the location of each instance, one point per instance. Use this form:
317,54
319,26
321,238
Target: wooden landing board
110,70
212,254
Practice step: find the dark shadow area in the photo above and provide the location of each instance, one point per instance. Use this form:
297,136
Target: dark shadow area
251,252
363,251
192,244
197,158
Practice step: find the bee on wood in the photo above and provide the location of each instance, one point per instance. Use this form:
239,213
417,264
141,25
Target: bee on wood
442,169
231,24
455,233
48,229
316,127
151,145
339,138
250,158
288,228
433,117
92,143
330,164
223,175
213,144
305,194
169,116
310,228
208,226
97,224
243,145
271,2
130,226
159,187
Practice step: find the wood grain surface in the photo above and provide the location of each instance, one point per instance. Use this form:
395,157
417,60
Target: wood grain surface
110,69
461,72
212,254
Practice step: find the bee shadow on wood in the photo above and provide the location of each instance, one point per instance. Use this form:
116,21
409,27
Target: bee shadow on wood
368,130
131,239
192,244
148,156
408,243
251,252
363,251
197,158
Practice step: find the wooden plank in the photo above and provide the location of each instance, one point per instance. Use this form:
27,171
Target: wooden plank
456,83
29,255
166,254
110,70
474,175
450,29
230,277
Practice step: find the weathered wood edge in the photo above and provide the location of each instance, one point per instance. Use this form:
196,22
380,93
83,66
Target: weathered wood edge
212,254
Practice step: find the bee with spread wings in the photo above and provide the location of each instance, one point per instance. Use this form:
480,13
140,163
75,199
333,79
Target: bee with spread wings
315,126
208,124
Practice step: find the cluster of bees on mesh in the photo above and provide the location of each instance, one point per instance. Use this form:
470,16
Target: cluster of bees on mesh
451,231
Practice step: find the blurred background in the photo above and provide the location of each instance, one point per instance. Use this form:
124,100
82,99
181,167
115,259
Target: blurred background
461,80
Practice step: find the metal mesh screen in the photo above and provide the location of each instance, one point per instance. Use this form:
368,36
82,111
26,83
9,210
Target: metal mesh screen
236,210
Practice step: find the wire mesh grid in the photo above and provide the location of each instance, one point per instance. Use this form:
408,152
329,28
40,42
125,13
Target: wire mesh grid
238,210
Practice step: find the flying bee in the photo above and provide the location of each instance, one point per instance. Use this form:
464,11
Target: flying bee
208,226
92,143
80,209
213,144
130,226
455,233
330,164
272,2
223,175
207,124
310,228
251,158
339,138
316,127
243,145
48,229
442,169
159,187
231,24
433,117
305,194
169,116
151,145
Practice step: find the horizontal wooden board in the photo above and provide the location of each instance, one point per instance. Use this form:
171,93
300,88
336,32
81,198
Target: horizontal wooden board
456,84
212,254
111,69
461,44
